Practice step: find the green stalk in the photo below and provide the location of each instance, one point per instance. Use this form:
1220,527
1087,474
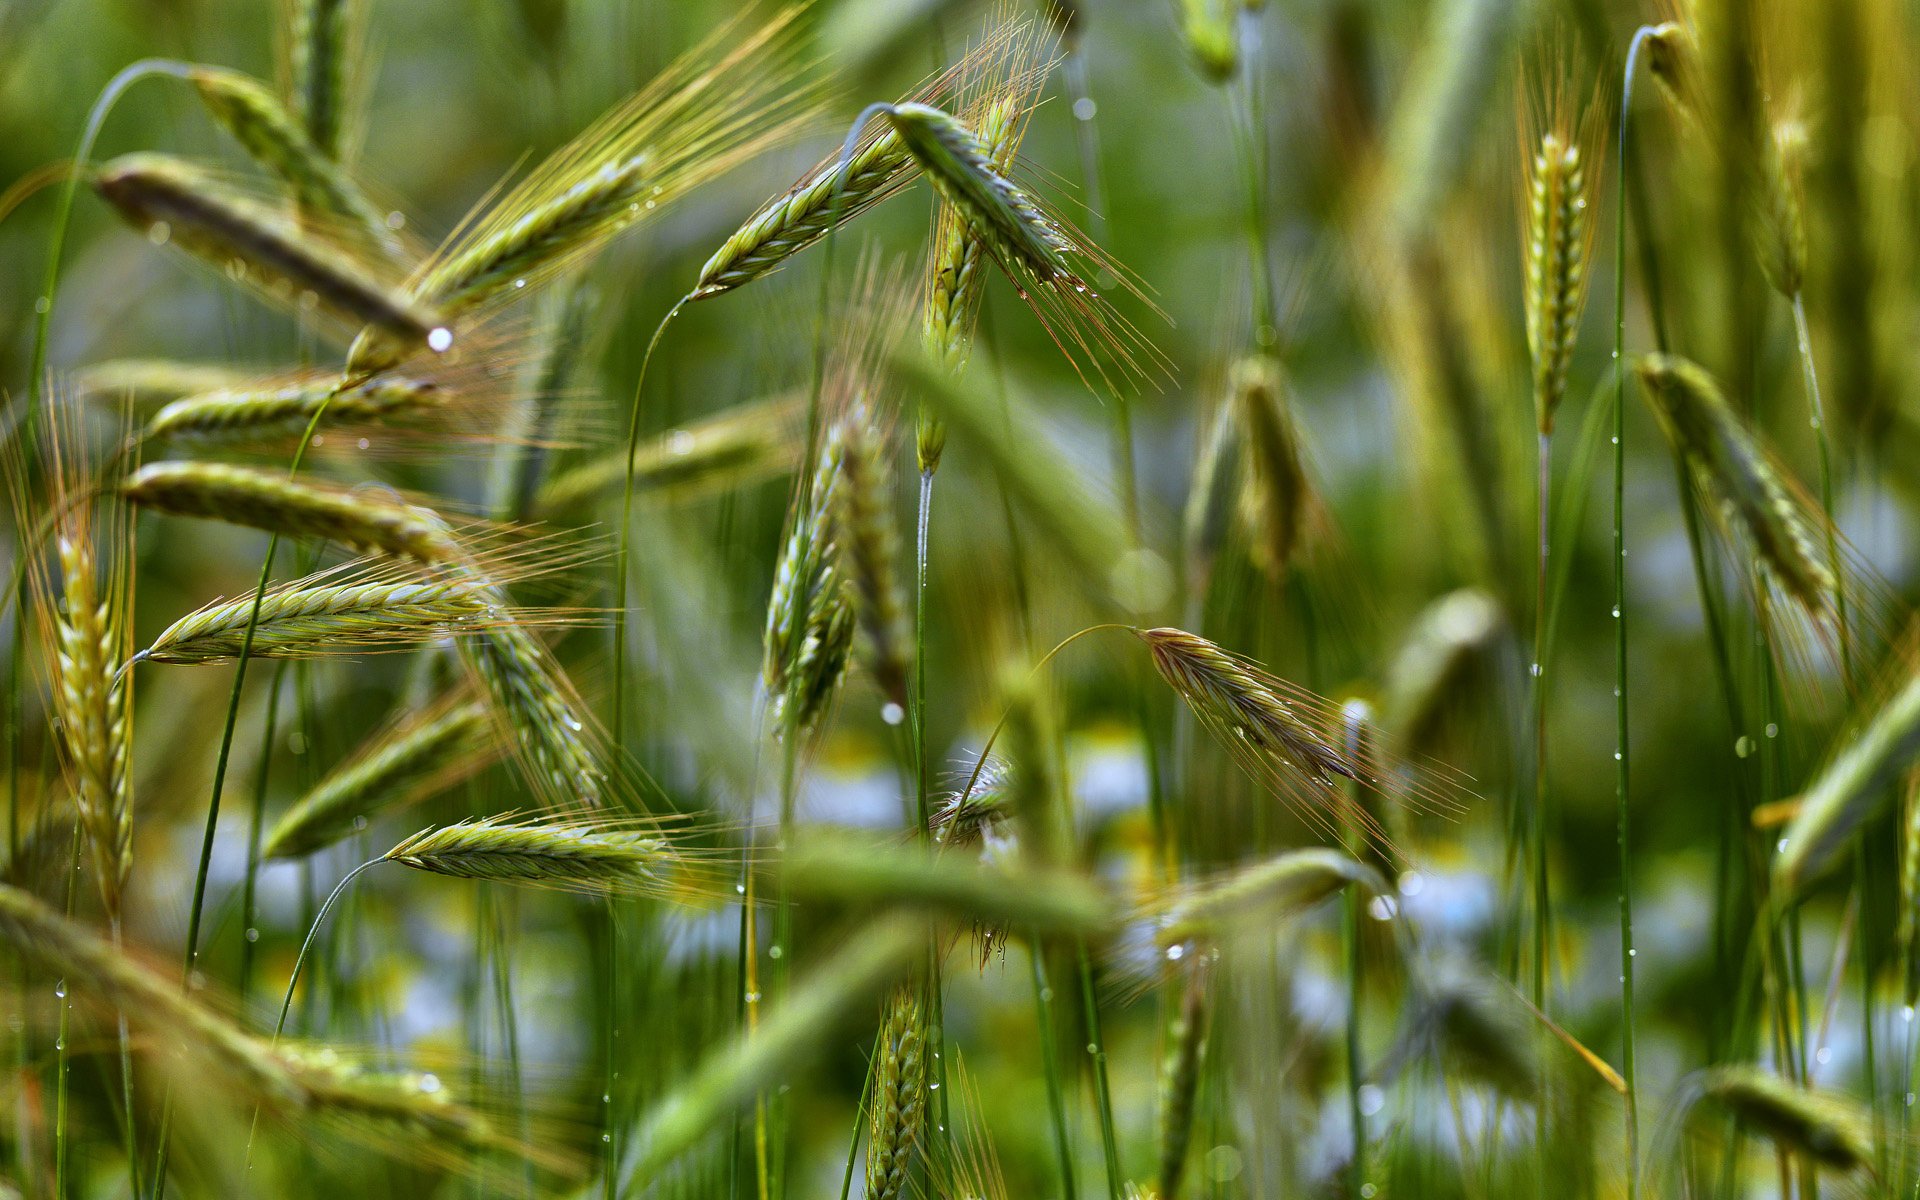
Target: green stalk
1050,1059
1350,935
256,823
1622,778
1097,1050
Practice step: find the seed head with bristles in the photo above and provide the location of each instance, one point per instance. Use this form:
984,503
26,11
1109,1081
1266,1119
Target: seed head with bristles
810,621
1286,738
402,763
898,1110
183,204
286,409
1747,488
269,500
720,104
576,856
1831,1129
1558,245
1276,498
869,546
295,621
274,138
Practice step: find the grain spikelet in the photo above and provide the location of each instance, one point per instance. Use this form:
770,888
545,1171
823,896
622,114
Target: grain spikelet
788,1037
898,1108
810,621
400,764
1560,178
147,381
1255,895
1758,504
878,169
1449,648
298,1086
269,500
286,409
719,105
1832,1129
1287,738
731,449
538,709
592,858
1852,788
174,200
297,621
275,139
321,51
1277,499
870,547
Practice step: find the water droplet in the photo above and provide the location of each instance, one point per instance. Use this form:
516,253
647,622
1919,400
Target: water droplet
606,1097
753,997
60,989
1368,1191
740,889
933,1087
892,713
1412,883
253,934
158,233
1084,108
364,443
1615,441
1616,756
1780,847
1742,746
429,1083
1773,730
396,220
1175,953
1616,611
1372,1099
1383,908
440,340
1092,1049
1906,1012
359,824
1536,669
519,283
681,443
1633,953
43,306
1822,1055
775,952
606,1137
1046,995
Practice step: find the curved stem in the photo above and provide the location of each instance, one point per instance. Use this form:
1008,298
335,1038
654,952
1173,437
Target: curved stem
306,945
618,728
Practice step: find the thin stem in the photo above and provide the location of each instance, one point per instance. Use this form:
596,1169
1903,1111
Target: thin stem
256,823
1050,1059
1097,1050
626,534
1622,778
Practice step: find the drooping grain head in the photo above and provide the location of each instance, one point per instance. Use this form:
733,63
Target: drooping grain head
897,1113
1207,27
1851,789
1254,896
1276,497
1834,1130
177,202
404,762
1443,667
1742,481
740,446
879,167
722,103
962,170
268,500
275,139
1213,497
